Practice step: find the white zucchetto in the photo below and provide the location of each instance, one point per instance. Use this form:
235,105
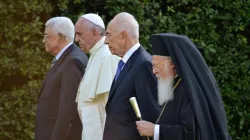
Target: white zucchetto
95,19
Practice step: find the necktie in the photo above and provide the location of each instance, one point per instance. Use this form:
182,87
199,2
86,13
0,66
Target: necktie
119,69
53,62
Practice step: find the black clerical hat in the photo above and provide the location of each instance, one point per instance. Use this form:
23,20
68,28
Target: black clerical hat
160,48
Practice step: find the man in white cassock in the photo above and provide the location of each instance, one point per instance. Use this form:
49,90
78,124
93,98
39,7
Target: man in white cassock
95,85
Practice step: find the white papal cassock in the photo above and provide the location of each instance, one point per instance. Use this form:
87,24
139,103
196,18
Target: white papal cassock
94,89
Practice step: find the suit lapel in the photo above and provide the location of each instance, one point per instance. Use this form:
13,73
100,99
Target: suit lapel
112,84
124,71
56,65
121,76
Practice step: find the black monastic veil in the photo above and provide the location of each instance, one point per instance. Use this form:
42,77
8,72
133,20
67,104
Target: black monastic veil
202,89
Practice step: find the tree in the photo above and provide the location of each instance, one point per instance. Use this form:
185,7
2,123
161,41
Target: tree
23,64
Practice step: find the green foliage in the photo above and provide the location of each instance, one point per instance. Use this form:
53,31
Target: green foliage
18,107
23,64
220,28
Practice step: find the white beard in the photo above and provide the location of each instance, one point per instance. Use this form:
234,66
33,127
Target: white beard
165,90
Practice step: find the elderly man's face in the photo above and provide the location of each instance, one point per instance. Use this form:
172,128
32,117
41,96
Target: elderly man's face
51,41
114,40
163,66
164,70
84,36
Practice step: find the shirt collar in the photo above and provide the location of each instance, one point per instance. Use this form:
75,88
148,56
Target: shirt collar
62,50
130,52
97,46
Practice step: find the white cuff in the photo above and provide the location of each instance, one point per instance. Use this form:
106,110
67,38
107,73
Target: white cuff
157,132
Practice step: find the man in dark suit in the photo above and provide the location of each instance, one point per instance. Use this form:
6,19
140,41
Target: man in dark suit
56,115
134,78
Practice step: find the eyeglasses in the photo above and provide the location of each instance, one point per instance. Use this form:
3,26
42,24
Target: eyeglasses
162,62
46,36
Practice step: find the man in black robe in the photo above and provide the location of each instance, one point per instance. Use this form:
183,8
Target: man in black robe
192,107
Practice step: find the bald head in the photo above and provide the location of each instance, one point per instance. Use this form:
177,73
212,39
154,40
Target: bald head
122,33
127,22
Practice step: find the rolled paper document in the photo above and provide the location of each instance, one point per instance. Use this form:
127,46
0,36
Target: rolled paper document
135,107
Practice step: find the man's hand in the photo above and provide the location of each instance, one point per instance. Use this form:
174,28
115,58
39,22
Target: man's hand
145,128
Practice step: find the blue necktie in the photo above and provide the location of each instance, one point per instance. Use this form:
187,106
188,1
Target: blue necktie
119,69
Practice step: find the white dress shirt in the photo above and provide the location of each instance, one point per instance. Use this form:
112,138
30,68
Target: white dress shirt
62,50
129,53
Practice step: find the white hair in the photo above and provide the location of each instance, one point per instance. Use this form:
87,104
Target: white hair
62,25
127,22
165,88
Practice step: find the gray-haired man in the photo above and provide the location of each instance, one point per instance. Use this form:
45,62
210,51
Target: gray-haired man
56,114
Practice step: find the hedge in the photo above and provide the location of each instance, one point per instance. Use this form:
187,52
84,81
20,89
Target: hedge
221,28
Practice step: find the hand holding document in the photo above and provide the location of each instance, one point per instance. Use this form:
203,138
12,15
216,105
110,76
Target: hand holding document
136,109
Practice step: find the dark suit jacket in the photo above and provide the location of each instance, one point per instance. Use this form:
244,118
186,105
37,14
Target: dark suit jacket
56,114
136,79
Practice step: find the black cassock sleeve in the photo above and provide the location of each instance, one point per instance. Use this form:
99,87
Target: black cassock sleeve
185,130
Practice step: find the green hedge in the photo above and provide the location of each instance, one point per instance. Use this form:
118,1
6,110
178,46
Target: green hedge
220,28
23,64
